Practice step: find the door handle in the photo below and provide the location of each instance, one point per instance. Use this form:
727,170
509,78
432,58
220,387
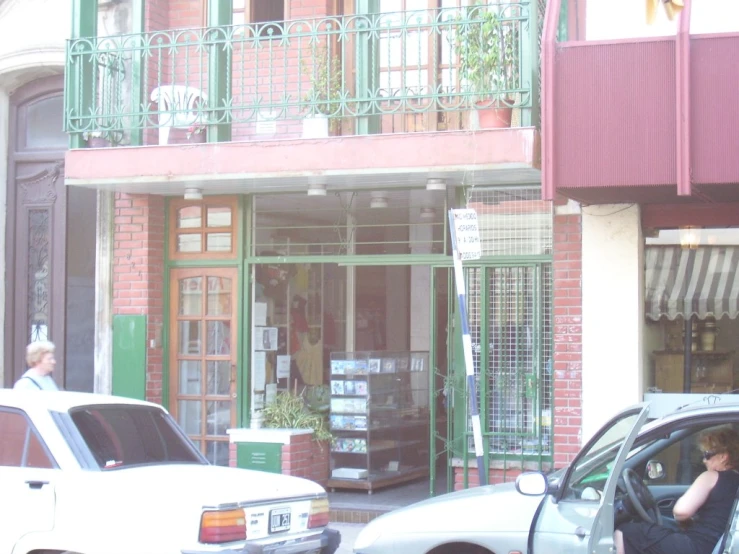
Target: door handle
36,484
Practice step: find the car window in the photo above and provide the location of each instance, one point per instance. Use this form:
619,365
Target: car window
681,460
20,445
595,462
124,436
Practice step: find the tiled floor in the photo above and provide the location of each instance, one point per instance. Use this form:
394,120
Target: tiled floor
349,506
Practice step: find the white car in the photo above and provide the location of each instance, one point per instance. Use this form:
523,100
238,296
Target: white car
93,474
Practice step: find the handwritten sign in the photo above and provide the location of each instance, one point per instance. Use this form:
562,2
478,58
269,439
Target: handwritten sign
466,234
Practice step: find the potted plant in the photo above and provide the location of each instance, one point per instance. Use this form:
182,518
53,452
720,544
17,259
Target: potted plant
487,46
290,410
326,85
196,133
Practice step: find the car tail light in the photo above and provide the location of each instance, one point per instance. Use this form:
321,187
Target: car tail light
223,526
318,513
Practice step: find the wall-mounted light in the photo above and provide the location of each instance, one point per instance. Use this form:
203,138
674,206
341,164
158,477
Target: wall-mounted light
379,200
690,236
193,193
316,189
434,183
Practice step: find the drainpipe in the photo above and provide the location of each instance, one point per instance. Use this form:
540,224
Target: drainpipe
682,101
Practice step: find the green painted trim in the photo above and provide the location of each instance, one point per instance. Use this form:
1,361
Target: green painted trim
78,98
530,64
220,16
204,263
485,358
562,27
243,364
138,94
166,303
349,260
432,384
368,69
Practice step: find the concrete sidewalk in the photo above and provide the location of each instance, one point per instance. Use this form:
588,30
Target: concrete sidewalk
349,532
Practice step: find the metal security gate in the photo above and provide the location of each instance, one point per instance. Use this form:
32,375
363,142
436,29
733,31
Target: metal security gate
509,309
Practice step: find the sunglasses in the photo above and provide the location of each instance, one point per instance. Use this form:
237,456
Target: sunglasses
707,454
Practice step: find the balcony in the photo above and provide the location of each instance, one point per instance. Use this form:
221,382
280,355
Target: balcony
384,73
648,120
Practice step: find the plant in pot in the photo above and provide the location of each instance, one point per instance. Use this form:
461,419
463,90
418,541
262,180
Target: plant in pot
487,46
290,410
323,98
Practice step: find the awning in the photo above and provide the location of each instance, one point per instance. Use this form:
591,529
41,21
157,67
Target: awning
692,282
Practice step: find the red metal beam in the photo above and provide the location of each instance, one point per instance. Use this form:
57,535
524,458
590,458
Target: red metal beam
548,48
672,216
682,97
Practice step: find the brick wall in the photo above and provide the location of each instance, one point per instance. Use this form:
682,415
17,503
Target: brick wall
567,416
138,273
304,457
495,476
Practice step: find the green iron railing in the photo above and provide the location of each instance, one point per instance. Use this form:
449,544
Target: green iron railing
389,72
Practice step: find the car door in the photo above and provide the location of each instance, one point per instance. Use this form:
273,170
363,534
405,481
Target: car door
578,516
27,474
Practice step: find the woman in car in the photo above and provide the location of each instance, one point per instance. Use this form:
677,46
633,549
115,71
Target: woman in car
702,512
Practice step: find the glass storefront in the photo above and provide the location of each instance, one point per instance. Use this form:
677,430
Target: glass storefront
692,310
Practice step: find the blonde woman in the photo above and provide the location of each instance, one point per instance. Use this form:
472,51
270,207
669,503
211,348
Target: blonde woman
41,362
703,510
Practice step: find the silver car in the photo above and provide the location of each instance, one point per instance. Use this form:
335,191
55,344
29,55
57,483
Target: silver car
631,468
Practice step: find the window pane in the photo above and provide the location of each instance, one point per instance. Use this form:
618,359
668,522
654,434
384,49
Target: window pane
219,242
219,296
217,452
219,216
267,10
189,243
189,218
191,296
219,378
190,338
219,418
219,338
44,127
189,416
190,377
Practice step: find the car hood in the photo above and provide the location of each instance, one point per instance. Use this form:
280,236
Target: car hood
207,485
481,509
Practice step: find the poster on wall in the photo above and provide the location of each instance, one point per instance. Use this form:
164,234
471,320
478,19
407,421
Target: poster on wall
283,367
265,338
260,314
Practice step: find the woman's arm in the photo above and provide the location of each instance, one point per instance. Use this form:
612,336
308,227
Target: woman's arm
690,502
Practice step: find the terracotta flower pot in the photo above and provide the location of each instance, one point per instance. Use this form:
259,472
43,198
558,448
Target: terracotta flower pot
493,117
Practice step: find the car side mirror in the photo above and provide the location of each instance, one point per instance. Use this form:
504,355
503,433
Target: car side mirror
532,484
655,470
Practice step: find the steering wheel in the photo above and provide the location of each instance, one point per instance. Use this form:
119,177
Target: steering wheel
641,497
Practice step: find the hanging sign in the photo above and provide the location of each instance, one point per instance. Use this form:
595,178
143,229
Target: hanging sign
466,234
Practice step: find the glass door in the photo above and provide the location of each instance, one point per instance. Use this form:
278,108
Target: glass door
203,356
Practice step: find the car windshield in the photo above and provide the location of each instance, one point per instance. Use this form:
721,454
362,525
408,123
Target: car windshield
126,435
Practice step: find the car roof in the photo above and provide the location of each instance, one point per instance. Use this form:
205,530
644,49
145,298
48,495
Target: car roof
62,400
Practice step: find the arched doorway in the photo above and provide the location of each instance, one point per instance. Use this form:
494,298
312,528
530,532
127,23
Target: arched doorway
50,241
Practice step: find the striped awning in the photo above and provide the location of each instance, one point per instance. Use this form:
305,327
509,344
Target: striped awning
692,282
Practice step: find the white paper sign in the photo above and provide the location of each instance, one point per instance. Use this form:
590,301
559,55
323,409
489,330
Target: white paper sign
260,314
265,338
258,370
283,367
467,234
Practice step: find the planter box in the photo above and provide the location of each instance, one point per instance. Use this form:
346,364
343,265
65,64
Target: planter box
286,451
315,126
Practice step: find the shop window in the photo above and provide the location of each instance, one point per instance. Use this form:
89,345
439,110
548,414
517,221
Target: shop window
203,229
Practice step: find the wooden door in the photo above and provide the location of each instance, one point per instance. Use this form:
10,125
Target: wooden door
203,356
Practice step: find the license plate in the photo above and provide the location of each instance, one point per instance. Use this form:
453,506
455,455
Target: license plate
279,520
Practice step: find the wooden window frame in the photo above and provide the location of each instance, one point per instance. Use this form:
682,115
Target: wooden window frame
175,205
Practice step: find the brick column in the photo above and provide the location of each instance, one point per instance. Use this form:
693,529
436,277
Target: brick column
138,273
567,416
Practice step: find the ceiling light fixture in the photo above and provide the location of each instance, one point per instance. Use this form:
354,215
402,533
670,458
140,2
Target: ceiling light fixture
379,200
690,237
316,189
434,183
193,193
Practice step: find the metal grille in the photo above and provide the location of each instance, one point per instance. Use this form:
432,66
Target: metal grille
361,223
39,279
511,322
513,221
